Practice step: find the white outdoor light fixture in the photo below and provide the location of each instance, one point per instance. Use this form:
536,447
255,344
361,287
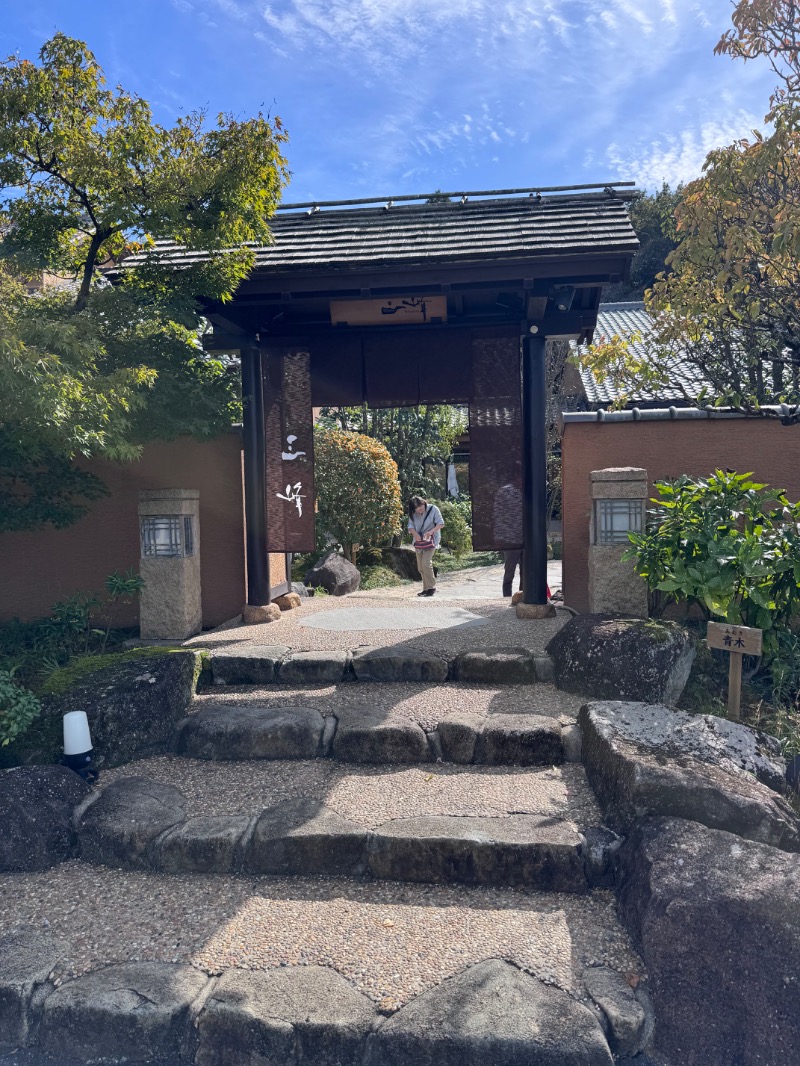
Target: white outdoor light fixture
614,519
167,536
78,745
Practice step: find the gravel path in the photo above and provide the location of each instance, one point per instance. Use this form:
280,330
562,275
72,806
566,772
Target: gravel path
374,795
392,941
503,629
424,703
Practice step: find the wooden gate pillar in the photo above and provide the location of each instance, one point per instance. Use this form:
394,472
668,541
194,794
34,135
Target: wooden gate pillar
534,472
255,506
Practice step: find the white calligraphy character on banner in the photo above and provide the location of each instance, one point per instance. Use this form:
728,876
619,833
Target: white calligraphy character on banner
293,496
291,454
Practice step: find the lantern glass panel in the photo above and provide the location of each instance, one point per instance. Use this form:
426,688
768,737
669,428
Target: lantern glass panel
614,519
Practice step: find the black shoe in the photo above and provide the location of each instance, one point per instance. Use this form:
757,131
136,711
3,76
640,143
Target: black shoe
423,593
429,592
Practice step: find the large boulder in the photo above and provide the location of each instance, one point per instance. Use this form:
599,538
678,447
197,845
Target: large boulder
37,804
490,1015
335,574
645,759
718,922
622,658
403,561
132,705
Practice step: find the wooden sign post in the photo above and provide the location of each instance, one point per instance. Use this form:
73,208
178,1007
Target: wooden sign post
739,641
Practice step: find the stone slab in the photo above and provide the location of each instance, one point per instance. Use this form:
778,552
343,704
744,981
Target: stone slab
253,614
496,666
458,735
521,740
645,760
122,825
291,1015
208,845
248,664
28,956
135,1012
220,732
490,1015
518,851
314,667
364,735
718,921
398,664
535,612
627,1010
304,837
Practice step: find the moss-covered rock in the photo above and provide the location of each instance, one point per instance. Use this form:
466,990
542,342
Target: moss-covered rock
133,701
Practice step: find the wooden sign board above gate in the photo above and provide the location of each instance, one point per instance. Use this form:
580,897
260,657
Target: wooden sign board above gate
390,311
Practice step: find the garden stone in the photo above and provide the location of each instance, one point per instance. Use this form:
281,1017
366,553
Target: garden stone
496,666
403,561
516,851
398,664
206,845
300,589
290,1015
459,733
335,574
628,1011
521,740
288,601
136,1012
236,733
492,1014
256,614
545,669
365,735
37,804
622,658
122,825
645,759
133,706
719,928
301,836
248,664
28,956
314,668
600,849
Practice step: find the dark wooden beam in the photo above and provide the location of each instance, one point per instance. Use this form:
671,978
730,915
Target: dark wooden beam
534,470
255,477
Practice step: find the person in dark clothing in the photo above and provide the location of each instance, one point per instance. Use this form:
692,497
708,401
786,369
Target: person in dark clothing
512,560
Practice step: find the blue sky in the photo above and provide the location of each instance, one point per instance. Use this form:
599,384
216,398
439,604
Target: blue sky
405,96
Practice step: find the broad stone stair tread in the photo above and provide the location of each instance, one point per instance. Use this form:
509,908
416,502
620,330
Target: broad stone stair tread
391,942
305,836
221,732
420,702
372,795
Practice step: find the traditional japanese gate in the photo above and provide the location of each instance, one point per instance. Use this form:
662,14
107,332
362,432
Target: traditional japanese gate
445,301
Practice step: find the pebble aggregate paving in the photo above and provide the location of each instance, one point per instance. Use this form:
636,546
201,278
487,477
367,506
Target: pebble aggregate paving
371,796
392,941
424,703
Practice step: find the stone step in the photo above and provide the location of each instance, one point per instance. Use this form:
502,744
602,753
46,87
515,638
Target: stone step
364,732
141,967
261,664
367,825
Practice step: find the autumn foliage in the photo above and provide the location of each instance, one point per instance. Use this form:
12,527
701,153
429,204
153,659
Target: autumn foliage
357,489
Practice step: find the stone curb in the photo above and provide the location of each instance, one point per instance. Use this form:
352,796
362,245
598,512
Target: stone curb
304,837
491,1012
219,732
258,664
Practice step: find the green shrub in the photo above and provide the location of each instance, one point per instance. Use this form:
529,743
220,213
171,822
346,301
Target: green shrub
727,544
18,708
456,535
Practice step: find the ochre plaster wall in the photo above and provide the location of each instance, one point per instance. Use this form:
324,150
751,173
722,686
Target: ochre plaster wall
665,449
39,568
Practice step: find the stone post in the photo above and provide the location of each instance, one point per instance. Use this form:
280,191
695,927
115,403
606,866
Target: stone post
619,498
169,534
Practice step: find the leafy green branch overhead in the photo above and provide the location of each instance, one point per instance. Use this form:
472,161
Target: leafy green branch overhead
87,177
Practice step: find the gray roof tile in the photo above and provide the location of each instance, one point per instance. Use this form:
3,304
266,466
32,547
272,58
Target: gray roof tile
408,234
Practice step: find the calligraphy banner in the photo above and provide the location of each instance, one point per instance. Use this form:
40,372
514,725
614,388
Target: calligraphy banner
495,441
289,429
